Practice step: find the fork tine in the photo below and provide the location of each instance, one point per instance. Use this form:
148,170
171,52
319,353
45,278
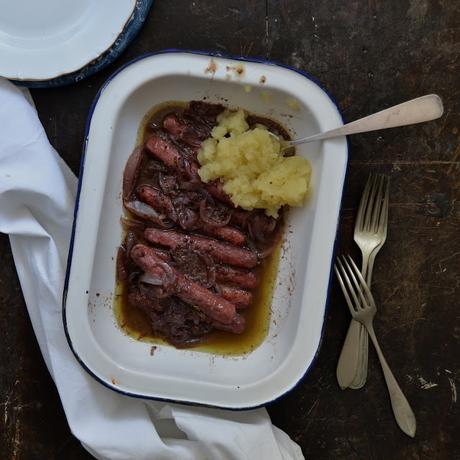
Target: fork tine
383,221
363,203
354,301
344,289
348,284
351,286
358,288
370,204
363,283
378,205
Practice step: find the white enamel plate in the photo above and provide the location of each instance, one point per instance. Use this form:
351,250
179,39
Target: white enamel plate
299,302
40,40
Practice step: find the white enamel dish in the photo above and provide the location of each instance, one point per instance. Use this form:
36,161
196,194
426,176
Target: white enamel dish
301,291
41,40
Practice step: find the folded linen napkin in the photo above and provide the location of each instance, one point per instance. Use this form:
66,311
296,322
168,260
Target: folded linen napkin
37,192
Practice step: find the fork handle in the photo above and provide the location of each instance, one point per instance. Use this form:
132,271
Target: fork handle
361,371
402,411
349,356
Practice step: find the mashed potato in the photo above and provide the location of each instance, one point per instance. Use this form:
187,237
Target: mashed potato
251,166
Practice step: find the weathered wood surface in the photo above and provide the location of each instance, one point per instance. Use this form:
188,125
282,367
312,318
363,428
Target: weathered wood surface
369,55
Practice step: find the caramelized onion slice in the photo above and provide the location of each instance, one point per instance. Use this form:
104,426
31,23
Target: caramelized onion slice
167,182
131,171
187,218
261,227
213,213
265,252
130,224
153,291
144,211
162,275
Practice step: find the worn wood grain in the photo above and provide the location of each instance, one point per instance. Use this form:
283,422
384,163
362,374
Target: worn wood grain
369,54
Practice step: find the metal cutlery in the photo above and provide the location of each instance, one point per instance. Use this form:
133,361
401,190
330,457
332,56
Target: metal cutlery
363,309
370,234
417,110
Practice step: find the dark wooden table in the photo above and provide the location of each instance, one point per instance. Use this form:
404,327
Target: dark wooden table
369,54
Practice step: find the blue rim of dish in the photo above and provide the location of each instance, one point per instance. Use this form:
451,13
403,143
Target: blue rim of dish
77,201
130,30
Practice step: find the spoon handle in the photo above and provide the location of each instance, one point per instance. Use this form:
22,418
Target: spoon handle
418,110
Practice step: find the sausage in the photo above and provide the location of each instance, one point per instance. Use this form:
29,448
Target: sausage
242,278
163,255
173,125
227,233
212,305
236,326
240,298
209,303
163,204
159,201
164,150
190,133
221,252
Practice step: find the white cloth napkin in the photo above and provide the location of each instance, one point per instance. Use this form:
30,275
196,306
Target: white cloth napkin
37,192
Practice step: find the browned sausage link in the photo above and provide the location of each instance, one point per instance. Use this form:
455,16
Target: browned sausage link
164,151
236,326
163,204
227,233
179,129
212,305
238,297
158,200
242,278
173,125
163,255
221,252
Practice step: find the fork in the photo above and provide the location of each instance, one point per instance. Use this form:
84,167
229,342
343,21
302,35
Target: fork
370,234
363,309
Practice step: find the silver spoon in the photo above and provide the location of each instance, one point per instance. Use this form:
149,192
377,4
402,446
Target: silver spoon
417,110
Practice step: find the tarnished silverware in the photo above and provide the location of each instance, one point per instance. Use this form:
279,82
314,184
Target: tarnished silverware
425,108
363,309
370,235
